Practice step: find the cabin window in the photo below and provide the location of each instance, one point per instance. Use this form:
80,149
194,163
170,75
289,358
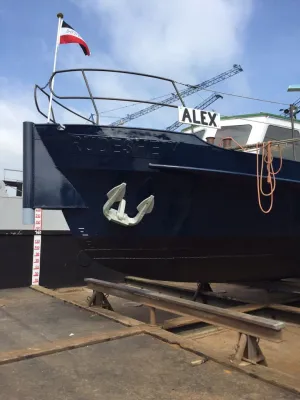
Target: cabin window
240,133
280,133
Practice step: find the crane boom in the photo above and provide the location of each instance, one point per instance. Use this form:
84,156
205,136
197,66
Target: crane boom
236,69
211,99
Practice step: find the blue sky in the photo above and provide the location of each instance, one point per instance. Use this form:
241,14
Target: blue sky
188,40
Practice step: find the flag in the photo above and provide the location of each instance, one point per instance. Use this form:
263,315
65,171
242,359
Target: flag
69,35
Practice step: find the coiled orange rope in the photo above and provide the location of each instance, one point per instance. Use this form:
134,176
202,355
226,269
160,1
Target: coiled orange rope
266,158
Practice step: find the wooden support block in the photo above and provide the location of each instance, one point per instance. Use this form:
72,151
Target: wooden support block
152,315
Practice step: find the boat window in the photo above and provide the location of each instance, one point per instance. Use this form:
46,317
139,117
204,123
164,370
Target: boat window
280,133
240,133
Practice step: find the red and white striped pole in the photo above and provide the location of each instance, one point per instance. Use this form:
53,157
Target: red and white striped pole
37,247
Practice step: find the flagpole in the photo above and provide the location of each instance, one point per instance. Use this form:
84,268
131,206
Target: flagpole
60,21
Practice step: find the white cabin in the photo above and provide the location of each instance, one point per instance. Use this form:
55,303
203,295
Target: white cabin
254,128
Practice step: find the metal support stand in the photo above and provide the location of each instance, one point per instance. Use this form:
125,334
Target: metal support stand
248,350
99,299
201,288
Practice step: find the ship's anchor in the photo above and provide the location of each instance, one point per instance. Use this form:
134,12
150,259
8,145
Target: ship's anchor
119,216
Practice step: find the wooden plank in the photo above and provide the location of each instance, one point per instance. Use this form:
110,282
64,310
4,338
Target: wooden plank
285,308
58,346
207,331
179,321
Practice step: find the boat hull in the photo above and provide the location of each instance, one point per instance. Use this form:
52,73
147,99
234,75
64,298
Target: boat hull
205,225
211,264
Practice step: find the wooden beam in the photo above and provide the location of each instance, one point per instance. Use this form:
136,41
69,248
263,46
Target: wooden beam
285,308
59,346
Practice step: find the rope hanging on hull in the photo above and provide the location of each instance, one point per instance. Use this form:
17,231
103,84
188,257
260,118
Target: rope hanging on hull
266,158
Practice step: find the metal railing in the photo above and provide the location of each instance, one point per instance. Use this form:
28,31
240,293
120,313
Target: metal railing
92,97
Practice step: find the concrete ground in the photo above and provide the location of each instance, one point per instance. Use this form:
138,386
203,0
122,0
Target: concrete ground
28,318
137,366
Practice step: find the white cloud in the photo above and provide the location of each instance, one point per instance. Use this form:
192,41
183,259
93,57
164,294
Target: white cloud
178,37
16,106
187,40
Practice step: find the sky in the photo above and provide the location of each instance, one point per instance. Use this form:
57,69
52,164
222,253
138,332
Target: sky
186,40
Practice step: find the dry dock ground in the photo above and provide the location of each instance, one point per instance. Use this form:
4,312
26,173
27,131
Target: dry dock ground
53,349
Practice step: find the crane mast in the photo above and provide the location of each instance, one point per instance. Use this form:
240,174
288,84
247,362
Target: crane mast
287,113
236,69
211,99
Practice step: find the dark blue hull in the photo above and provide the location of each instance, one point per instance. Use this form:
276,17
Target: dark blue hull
206,224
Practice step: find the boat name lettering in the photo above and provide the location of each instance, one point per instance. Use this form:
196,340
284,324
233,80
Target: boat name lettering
199,117
124,147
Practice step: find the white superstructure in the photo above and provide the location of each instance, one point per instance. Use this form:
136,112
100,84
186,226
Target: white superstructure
253,128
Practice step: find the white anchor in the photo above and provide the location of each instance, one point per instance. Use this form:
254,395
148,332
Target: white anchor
119,216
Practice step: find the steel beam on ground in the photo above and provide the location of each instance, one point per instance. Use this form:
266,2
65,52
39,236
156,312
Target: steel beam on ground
244,323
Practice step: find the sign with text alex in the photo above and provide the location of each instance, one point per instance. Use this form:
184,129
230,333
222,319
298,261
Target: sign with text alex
193,116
